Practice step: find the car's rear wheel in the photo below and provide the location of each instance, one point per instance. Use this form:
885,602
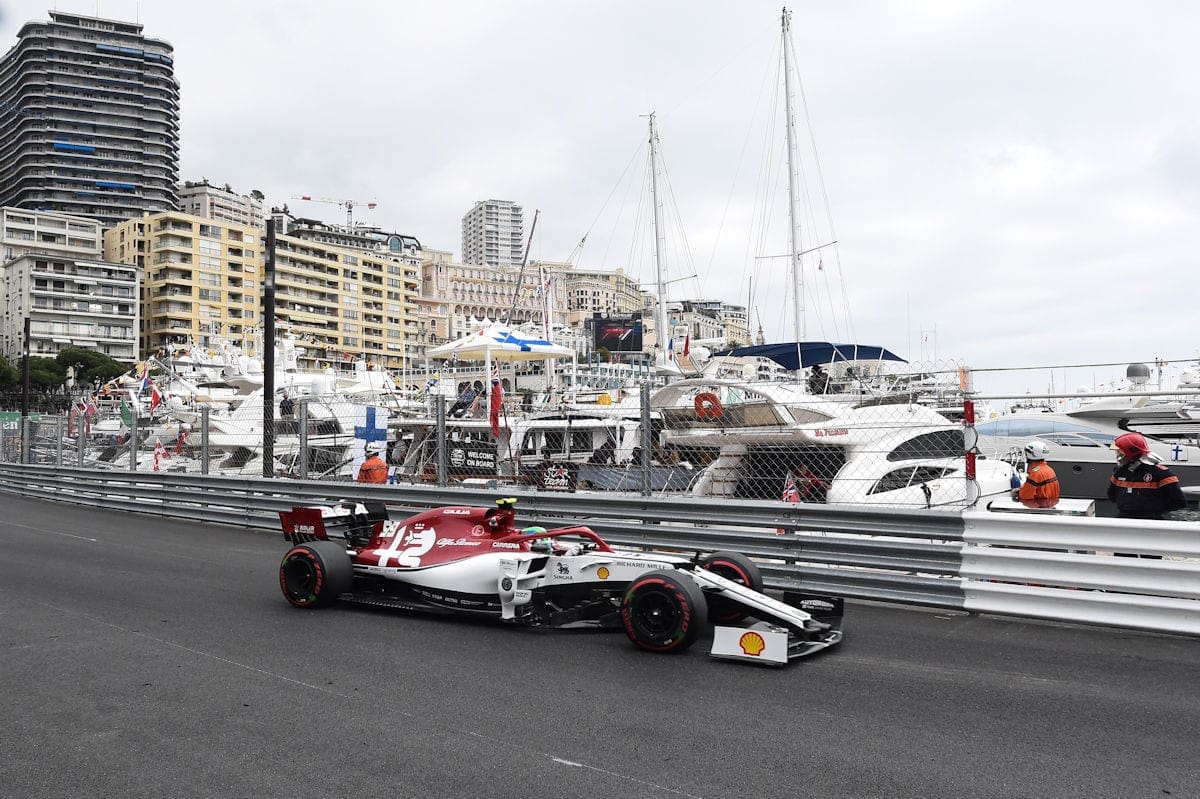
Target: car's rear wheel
314,575
740,569
663,611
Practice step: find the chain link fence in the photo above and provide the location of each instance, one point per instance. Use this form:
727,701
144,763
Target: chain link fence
852,435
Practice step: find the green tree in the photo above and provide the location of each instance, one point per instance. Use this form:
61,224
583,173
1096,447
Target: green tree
90,365
10,377
46,374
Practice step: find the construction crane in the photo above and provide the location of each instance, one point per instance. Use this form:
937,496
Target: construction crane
347,204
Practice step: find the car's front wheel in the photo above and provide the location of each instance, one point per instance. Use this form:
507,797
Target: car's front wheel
314,575
740,569
663,611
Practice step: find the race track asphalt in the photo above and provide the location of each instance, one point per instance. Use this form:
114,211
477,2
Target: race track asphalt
151,658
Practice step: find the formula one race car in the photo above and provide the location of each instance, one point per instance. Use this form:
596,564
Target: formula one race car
472,560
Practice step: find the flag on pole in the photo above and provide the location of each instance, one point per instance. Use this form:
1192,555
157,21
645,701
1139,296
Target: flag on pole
126,413
496,401
671,350
160,452
790,492
155,396
687,344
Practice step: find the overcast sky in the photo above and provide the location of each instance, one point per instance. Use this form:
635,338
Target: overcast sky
1022,178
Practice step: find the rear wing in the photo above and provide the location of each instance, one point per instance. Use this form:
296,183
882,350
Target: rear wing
349,521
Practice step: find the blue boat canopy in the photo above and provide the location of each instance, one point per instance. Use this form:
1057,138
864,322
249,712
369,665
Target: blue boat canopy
795,355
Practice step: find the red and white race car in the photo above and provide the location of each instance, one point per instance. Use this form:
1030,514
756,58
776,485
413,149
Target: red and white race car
472,560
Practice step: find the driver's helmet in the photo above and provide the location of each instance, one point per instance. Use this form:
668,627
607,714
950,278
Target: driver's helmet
1036,451
375,448
1130,446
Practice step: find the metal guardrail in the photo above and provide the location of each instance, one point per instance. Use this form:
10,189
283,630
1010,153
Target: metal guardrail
1143,575
1057,568
888,554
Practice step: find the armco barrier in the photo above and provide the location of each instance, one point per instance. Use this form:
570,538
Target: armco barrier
1068,569
1056,568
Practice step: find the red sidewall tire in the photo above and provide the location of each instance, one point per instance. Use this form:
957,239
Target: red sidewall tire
663,611
732,566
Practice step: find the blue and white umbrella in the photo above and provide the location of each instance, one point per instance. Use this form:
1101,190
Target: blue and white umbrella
498,342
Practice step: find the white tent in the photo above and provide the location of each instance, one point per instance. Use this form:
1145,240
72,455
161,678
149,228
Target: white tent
500,342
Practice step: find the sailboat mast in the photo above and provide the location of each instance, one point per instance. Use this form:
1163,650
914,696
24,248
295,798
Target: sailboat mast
793,163
660,309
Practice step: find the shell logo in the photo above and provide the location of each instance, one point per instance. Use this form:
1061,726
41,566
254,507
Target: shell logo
603,572
752,644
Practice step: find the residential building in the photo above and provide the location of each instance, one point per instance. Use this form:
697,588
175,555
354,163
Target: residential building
202,277
222,203
711,321
24,232
70,302
592,291
89,119
493,234
349,291
477,293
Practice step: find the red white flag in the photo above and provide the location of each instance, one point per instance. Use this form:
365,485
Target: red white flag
497,400
687,341
155,397
160,452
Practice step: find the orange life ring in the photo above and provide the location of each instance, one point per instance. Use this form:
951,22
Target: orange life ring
708,406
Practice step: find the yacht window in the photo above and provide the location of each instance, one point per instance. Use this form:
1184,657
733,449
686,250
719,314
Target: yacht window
1070,440
1104,439
529,444
924,474
938,444
893,481
555,441
581,441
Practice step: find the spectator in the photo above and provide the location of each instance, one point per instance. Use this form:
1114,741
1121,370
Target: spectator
817,380
287,406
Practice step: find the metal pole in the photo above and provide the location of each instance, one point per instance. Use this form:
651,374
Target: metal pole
443,465
79,452
58,436
204,439
133,439
304,439
647,439
25,374
268,354
793,216
25,447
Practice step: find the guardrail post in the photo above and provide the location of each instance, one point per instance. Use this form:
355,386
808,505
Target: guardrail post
79,451
133,439
204,439
443,466
303,438
58,439
647,436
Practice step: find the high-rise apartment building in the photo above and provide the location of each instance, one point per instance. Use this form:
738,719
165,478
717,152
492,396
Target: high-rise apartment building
221,203
89,120
493,233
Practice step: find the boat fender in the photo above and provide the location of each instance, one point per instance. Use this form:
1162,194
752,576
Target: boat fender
708,406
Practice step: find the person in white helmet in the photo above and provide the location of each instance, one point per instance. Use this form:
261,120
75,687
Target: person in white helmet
373,469
1040,489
